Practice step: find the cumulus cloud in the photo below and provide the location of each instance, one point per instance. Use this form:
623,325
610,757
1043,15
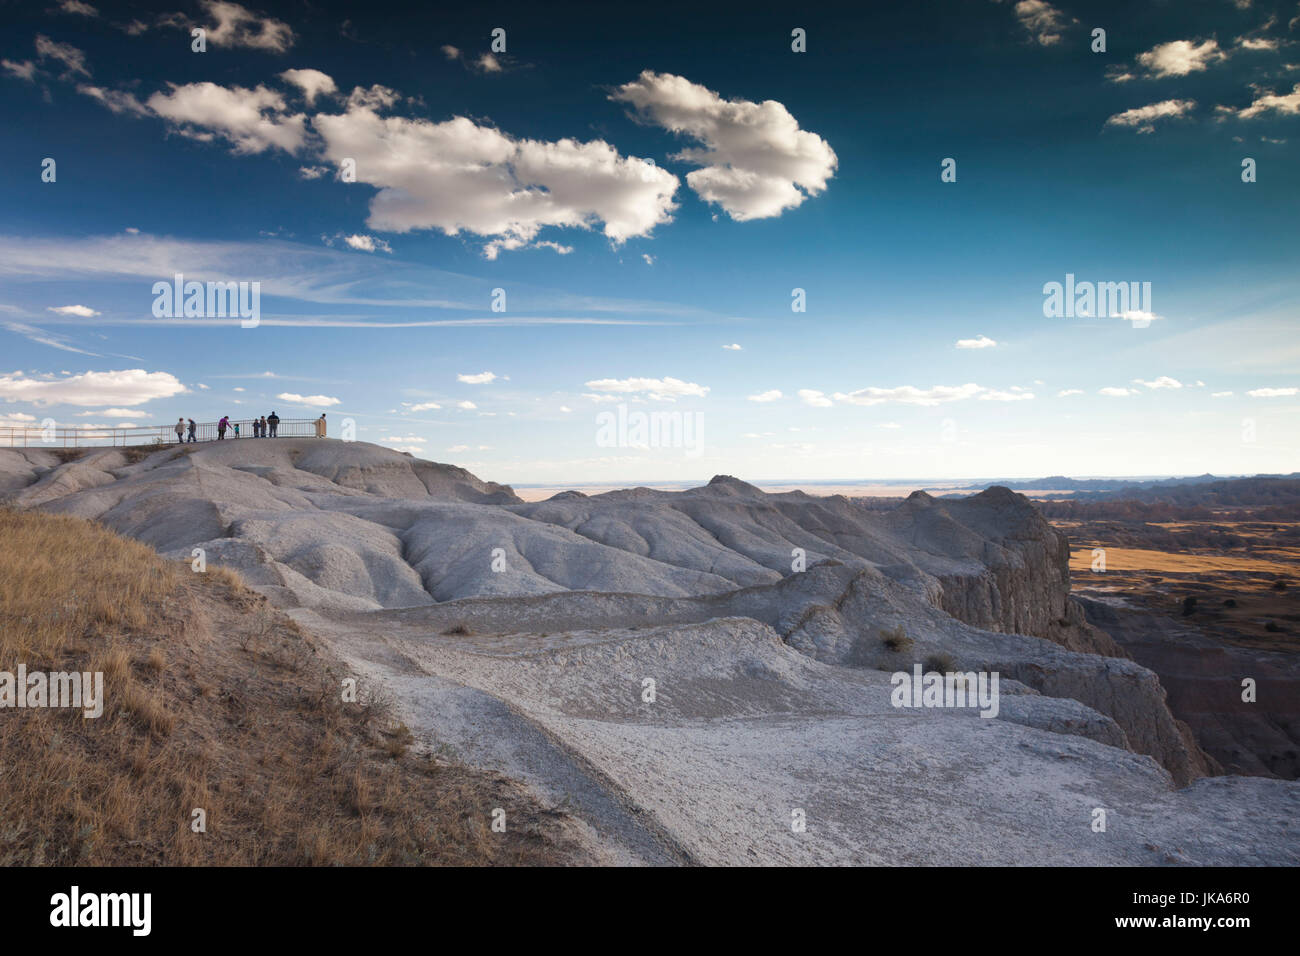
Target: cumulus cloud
1273,392
252,120
1180,57
367,244
313,83
910,395
655,389
771,395
466,406
1043,21
123,388
293,398
1164,381
1144,118
1114,392
1014,394
733,347
481,378
1287,104
232,25
422,406
756,160
815,398
84,311
459,176
980,342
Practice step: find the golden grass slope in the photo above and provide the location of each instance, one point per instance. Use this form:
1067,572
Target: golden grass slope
214,701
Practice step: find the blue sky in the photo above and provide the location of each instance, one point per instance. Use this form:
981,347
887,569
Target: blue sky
648,191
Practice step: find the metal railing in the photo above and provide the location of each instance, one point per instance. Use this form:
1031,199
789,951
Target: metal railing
90,436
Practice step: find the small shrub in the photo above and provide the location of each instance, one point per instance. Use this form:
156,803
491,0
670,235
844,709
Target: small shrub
896,640
943,663
460,630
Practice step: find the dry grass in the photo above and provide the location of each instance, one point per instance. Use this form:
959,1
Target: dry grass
215,701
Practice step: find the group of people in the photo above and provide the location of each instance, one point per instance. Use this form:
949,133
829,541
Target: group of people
264,427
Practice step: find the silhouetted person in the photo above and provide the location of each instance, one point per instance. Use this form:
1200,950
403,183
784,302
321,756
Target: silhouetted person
193,431
273,420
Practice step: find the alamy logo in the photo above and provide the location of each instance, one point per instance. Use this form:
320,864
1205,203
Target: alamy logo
199,300
103,909
1088,300
39,689
638,429
932,689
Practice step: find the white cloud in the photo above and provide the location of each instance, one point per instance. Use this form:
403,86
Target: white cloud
733,347
1258,43
649,259
24,69
124,388
656,389
756,160
313,83
810,396
459,176
253,120
910,395
771,395
1014,395
450,52
73,60
84,311
119,101
890,425
367,243
1065,392
1180,57
318,400
1145,117
981,342
466,406
109,413
79,8
1113,392
1220,394
1284,105
1273,392
236,26
1043,21
489,63
482,378
1164,381
423,407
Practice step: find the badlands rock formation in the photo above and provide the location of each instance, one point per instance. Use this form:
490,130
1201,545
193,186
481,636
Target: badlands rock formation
523,636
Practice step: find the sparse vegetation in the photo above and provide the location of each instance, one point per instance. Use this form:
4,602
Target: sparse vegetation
896,640
460,630
213,701
943,663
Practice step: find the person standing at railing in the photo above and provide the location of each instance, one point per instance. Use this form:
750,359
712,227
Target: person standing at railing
261,425
320,426
180,430
273,420
236,429
193,430
221,428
